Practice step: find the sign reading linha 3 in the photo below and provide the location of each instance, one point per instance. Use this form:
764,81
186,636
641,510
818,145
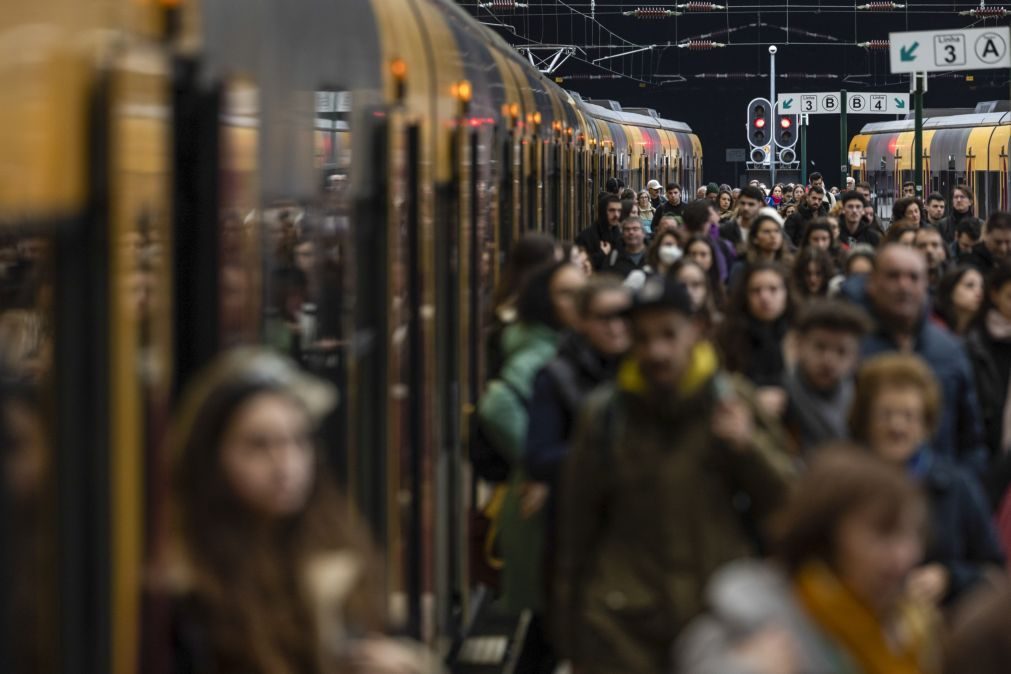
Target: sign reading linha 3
944,50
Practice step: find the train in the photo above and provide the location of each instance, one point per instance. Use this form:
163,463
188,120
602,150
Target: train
164,155
969,148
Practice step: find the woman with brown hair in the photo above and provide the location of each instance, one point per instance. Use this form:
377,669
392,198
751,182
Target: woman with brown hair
833,600
269,571
895,410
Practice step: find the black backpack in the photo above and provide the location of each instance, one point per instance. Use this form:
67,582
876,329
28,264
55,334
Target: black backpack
489,463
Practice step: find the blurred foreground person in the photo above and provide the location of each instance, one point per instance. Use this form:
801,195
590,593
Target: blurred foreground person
670,473
981,639
269,572
833,599
895,409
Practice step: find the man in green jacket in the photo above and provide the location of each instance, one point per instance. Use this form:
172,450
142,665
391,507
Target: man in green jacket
671,472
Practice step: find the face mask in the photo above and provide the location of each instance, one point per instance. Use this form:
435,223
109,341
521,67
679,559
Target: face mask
669,254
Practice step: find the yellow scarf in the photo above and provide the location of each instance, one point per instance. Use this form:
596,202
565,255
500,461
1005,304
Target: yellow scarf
703,365
850,622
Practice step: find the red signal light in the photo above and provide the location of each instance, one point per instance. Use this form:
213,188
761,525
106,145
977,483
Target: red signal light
760,123
785,122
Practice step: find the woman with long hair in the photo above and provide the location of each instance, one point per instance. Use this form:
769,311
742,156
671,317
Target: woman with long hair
646,211
725,203
664,250
812,271
269,569
959,298
699,285
909,209
701,251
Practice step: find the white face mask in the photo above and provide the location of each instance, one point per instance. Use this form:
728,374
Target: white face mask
669,254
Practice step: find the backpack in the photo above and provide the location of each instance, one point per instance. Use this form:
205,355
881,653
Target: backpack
489,463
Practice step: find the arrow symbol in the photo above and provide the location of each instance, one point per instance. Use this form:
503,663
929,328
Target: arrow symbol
900,104
787,104
908,53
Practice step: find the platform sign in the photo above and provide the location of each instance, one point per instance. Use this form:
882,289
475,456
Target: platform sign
736,154
823,103
828,103
934,51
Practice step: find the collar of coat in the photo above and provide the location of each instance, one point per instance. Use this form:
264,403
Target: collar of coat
702,367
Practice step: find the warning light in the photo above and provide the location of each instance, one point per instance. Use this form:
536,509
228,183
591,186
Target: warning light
398,68
760,123
785,122
463,91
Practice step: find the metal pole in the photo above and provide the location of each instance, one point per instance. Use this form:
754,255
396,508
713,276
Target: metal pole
772,102
918,134
803,148
843,141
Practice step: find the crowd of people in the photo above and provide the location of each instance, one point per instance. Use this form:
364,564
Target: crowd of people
757,431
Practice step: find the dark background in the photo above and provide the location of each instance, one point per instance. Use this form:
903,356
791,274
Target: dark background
716,108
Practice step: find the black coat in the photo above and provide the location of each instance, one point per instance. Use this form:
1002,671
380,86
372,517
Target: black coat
981,258
865,233
796,224
948,225
590,239
621,264
962,537
667,208
991,361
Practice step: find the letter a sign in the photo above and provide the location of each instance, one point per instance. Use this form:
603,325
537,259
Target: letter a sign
946,50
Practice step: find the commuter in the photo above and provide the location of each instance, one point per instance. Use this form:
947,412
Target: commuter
725,202
604,237
713,193
935,209
818,234
833,599
855,228
632,255
664,251
673,206
700,193
577,255
959,299
701,220
992,332
269,571
706,298
531,252
751,338
930,242
646,211
962,200
788,209
820,387
627,194
613,186
818,181
648,496
813,269
766,241
851,183
901,232
775,198
908,190
995,249
701,251
896,406
909,209
895,295
864,188
967,235
546,308
980,639
655,198
735,230
799,193
859,260
811,208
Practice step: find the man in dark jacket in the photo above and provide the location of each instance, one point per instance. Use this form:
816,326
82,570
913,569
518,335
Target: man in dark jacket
961,210
813,206
673,206
895,295
995,248
736,230
632,254
702,219
603,237
656,199
654,491
855,228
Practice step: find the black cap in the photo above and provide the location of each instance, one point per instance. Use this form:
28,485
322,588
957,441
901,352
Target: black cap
661,292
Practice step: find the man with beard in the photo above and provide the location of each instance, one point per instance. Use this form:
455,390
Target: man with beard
603,237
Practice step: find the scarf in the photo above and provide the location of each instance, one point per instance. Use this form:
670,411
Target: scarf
702,367
843,617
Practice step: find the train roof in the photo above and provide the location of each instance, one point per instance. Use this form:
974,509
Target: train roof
945,122
612,111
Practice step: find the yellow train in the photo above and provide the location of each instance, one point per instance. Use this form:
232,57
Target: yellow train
163,154
963,148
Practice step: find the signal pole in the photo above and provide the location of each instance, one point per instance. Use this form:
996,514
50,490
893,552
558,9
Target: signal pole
772,105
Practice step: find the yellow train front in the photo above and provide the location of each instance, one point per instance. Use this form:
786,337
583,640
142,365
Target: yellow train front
339,180
969,149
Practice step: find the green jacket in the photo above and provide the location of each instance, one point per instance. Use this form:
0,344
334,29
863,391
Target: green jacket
504,417
647,515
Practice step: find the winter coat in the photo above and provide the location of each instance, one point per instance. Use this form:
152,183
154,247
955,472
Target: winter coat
590,239
961,537
865,233
621,263
667,208
649,512
981,258
504,417
948,225
815,418
991,362
796,224
959,434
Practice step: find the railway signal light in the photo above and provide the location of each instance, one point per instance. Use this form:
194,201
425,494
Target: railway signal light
759,117
786,131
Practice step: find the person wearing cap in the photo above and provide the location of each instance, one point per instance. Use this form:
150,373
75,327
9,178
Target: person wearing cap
655,196
712,192
672,472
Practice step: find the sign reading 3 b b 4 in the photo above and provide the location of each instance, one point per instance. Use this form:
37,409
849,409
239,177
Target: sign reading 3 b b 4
955,49
830,103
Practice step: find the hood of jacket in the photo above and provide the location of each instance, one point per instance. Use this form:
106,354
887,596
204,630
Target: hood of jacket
702,367
521,336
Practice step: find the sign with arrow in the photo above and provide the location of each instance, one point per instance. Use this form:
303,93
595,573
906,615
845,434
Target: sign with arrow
857,103
934,51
